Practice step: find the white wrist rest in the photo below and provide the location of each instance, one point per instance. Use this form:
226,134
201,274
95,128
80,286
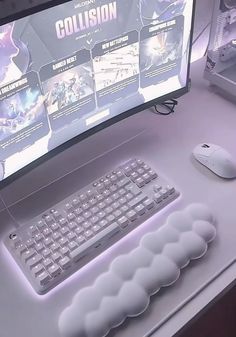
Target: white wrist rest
125,290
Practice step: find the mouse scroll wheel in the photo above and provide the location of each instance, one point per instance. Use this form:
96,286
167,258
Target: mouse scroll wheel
205,146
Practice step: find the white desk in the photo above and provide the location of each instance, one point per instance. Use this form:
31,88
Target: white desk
166,143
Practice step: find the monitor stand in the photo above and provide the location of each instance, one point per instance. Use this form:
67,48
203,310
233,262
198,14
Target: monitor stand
76,167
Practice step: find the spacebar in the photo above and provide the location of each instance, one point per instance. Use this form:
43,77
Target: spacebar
91,243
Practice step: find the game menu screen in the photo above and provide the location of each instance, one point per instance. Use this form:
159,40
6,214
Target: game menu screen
71,67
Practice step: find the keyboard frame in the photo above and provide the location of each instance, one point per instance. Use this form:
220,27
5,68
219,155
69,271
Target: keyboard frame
96,251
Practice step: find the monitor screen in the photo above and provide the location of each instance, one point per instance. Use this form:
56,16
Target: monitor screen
69,69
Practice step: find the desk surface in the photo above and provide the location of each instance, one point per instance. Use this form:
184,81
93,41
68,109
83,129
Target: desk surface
166,143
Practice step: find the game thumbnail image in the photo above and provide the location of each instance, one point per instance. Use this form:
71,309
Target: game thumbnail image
68,87
160,10
160,49
116,66
20,111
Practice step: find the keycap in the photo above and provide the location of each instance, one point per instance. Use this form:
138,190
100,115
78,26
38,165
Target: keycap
55,246
65,250
39,247
28,254
46,232
72,245
148,203
136,201
64,230
54,270
140,209
43,278
46,252
88,245
123,222
80,239
65,263
56,257
37,270
47,263
34,261
131,215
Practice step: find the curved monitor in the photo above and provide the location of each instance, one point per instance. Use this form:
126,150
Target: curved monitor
73,69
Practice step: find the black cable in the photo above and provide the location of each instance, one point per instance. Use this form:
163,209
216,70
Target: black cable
168,105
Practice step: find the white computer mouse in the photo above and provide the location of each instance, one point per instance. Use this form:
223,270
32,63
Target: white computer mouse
217,159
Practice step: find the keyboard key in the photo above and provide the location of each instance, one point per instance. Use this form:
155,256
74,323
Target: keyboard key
46,253
55,246
140,182
147,178
64,230
87,215
55,227
65,262
149,204
70,217
47,263
78,230
111,218
164,193
140,209
94,220
63,221
30,243
83,197
72,225
87,225
56,236
72,246
38,237
136,201
71,236
21,249
153,174
54,270
46,232
43,278
78,211
34,261
49,219
95,210
65,250
63,241
26,256
104,235
81,239
133,189
123,222
68,207
75,202
56,257
132,215
47,242
37,270
103,223
158,198
88,234
96,229
39,247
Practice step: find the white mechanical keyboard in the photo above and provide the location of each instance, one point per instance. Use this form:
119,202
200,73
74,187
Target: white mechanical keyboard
57,243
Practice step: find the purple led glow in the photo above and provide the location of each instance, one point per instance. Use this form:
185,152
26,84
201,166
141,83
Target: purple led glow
134,235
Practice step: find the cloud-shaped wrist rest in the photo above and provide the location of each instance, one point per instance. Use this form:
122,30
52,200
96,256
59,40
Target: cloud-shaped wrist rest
125,290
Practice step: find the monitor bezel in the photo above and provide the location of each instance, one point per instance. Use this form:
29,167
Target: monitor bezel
126,114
